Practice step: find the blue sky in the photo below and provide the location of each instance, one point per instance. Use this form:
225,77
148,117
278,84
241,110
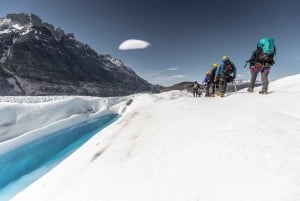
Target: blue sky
185,37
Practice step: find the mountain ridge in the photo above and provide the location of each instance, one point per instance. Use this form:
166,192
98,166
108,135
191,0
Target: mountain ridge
38,59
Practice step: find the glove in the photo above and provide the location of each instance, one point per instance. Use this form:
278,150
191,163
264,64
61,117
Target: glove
216,79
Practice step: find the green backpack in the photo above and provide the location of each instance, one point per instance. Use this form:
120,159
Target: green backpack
266,50
267,45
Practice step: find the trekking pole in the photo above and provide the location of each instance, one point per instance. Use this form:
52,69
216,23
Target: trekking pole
234,84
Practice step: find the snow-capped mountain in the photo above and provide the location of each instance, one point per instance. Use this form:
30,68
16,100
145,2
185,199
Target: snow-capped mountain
38,59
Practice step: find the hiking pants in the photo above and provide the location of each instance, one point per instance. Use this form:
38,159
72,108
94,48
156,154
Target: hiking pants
195,92
215,86
223,83
207,88
254,72
264,78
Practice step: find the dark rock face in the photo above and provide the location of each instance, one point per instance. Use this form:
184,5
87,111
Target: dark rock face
37,59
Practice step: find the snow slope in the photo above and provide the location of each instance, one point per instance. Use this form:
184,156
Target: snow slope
171,146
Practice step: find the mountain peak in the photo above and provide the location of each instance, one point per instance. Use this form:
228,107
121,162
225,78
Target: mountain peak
24,19
24,23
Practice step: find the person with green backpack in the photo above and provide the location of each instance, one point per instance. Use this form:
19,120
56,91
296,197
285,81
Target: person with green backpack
261,61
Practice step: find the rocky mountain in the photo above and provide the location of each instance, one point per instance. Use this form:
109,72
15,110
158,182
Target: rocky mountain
38,59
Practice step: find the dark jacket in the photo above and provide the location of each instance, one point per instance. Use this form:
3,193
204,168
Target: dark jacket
213,73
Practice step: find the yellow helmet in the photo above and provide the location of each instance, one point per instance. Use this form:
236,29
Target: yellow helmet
207,72
215,65
225,58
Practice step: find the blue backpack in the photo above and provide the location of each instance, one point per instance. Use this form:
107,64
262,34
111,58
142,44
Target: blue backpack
267,45
266,51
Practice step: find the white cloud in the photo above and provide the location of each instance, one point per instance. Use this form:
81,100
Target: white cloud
172,69
133,44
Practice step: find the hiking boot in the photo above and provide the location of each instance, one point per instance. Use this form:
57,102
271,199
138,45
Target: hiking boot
222,94
250,89
263,91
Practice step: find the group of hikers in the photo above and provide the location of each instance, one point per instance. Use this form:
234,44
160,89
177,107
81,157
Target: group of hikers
216,79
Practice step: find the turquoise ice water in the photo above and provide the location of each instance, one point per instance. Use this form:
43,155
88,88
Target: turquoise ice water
22,166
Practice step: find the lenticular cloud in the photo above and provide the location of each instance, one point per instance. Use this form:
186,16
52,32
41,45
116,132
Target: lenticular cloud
133,44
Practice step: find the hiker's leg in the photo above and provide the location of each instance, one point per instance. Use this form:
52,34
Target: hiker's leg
213,90
264,78
207,90
253,79
217,85
222,85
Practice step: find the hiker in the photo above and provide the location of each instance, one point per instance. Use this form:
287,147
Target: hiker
225,73
196,88
215,83
261,61
207,83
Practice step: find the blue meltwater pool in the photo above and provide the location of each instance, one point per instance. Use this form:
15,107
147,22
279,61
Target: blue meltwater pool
23,165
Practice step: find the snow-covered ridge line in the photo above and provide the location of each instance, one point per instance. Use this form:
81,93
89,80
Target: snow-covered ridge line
8,26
